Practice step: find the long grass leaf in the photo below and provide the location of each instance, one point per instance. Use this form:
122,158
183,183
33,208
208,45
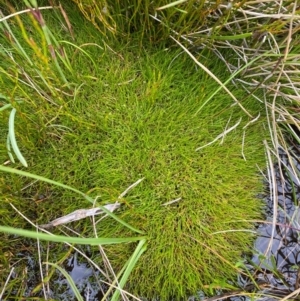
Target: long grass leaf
81,50
72,240
40,178
222,85
171,4
227,38
212,75
120,220
11,157
69,279
31,3
140,249
12,137
16,43
5,107
8,105
88,198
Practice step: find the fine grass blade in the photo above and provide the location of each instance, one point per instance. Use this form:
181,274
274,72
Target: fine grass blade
171,4
5,106
69,279
140,249
81,50
49,37
40,178
127,269
12,138
11,157
71,240
15,42
222,85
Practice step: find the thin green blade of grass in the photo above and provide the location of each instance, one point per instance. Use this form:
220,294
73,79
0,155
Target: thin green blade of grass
40,178
7,106
72,240
243,266
292,132
69,279
65,60
171,4
31,3
2,96
140,249
8,144
227,38
46,31
12,138
15,43
50,39
63,57
40,90
81,50
222,85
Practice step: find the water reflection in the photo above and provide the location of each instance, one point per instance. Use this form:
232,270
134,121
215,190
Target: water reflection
277,256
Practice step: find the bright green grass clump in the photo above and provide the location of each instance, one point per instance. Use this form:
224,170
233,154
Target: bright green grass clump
197,240
135,114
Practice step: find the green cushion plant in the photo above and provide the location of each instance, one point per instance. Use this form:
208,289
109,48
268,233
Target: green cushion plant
107,114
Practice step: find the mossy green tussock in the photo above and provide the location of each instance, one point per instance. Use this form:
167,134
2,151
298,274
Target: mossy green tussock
135,116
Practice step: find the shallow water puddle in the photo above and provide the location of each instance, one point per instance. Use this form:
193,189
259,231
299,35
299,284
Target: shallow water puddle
282,252
85,278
